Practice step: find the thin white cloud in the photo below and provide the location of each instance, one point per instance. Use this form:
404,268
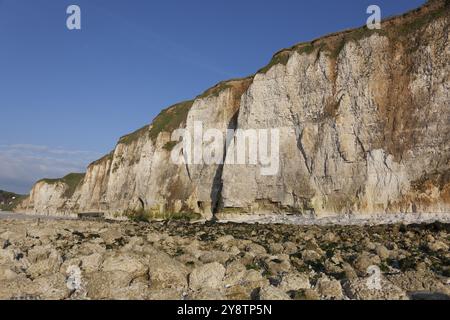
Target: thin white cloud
21,165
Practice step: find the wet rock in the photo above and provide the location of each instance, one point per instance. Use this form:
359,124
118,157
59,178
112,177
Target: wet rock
244,285
333,268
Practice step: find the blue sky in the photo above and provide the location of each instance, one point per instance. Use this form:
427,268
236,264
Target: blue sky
67,96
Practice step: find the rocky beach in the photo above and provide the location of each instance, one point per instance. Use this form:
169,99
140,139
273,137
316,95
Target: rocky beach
175,260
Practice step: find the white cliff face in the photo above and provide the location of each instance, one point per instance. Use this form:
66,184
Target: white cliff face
139,174
370,124
48,197
363,129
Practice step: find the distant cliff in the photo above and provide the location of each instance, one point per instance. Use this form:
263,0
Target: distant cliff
364,118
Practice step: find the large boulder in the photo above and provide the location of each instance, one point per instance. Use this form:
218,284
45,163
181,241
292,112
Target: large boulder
164,271
127,265
208,276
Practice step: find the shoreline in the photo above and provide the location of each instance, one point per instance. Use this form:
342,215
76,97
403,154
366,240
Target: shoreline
344,220
283,219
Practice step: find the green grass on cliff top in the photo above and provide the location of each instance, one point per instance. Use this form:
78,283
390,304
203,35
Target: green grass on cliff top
408,26
168,120
106,157
72,180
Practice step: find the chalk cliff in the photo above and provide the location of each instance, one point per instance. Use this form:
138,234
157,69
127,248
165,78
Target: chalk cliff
364,120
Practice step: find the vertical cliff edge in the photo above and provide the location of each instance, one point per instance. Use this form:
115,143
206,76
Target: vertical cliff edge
364,120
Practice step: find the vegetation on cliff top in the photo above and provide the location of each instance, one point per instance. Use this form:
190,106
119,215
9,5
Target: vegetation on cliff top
168,120
392,27
107,157
9,200
72,180
134,136
173,117
222,86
